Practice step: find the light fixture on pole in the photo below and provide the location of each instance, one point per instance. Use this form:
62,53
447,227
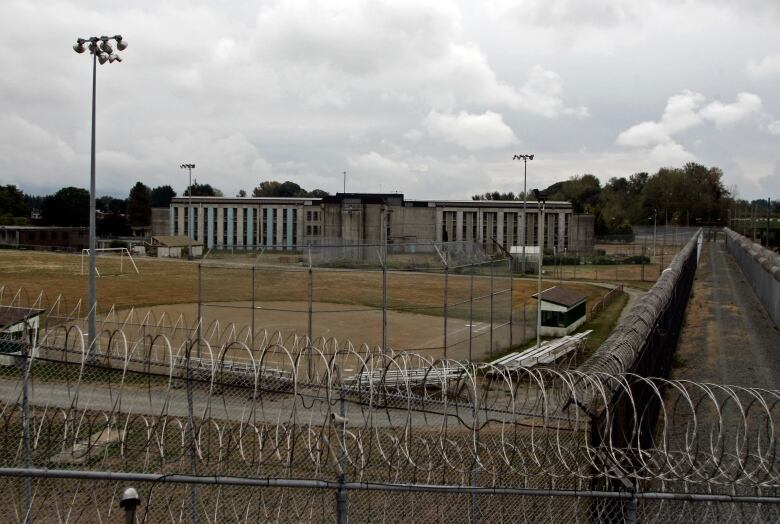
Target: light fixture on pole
525,159
102,52
190,213
541,198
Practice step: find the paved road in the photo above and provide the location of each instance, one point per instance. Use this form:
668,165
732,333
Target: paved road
727,338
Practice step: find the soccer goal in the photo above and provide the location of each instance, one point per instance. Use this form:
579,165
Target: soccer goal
105,253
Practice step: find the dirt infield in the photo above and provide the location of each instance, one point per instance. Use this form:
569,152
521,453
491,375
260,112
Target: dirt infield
359,324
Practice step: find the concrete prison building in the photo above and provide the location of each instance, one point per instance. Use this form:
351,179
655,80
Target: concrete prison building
357,218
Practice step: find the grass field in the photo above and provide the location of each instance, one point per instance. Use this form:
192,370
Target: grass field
176,282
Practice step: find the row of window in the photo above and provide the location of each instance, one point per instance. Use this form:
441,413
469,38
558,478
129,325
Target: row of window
511,232
251,231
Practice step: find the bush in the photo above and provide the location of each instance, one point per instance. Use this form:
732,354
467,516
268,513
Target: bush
562,260
636,259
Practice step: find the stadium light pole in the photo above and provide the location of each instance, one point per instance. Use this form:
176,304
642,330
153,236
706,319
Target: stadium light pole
525,159
101,50
189,168
541,198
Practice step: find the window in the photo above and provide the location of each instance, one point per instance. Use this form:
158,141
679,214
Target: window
308,230
308,216
224,226
316,215
244,234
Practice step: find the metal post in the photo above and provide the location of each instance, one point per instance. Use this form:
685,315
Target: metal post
309,318
200,302
471,311
539,280
490,349
511,311
92,285
342,515
384,280
663,250
252,346
193,454
446,302
26,361
525,215
768,211
190,215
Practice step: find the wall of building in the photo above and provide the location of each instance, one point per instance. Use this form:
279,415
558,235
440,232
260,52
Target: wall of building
356,218
761,268
582,232
66,237
161,221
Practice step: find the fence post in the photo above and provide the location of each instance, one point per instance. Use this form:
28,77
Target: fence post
309,317
252,345
511,310
446,302
342,510
200,302
471,311
26,362
191,417
490,349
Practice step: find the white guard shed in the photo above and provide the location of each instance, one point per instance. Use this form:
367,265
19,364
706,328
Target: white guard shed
563,311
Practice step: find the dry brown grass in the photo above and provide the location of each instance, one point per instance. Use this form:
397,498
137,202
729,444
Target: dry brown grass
176,282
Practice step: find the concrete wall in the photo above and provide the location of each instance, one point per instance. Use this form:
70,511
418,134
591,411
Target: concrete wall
761,268
582,232
161,221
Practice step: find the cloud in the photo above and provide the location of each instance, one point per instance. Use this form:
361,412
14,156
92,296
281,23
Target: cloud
746,106
767,67
395,51
681,113
469,131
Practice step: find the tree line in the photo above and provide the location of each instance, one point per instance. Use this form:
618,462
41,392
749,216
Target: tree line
690,195
116,216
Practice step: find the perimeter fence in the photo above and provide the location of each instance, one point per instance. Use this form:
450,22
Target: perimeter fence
376,437
456,293
206,427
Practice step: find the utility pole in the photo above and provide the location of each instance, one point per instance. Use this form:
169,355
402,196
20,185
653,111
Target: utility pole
345,181
541,199
768,212
190,213
525,159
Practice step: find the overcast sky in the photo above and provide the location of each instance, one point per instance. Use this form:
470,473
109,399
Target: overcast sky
429,98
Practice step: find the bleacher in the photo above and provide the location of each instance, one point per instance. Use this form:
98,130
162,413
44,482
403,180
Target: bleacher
546,353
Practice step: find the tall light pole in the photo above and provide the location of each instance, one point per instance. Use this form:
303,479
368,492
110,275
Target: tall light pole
101,50
525,159
541,197
655,222
189,168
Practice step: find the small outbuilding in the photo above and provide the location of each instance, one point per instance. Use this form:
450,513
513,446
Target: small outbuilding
18,328
175,246
563,311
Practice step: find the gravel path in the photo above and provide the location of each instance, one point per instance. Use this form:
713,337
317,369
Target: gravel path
727,337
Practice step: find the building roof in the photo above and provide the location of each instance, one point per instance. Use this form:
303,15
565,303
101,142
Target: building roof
10,315
175,241
562,296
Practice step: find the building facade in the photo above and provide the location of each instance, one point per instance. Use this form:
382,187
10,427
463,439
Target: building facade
49,236
368,218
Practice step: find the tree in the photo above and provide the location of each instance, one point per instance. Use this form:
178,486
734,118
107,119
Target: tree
113,225
272,188
109,204
241,193
67,207
162,196
202,190
13,208
139,205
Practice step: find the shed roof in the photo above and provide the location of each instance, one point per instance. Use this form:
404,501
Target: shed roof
562,296
175,241
10,315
